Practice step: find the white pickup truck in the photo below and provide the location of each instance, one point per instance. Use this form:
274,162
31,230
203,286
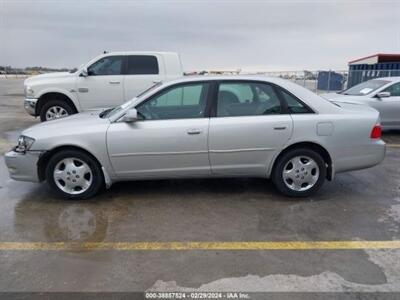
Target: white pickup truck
107,80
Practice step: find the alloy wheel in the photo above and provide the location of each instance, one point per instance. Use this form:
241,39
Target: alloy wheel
300,173
73,176
56,112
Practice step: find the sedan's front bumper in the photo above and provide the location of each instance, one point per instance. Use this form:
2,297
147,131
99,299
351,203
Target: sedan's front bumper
30,106
23,166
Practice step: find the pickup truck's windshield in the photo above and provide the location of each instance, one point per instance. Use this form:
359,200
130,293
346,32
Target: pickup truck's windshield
111,111
365,88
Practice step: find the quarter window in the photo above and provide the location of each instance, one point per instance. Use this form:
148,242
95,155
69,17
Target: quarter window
181,102
110,65
294,105
142,65
247,99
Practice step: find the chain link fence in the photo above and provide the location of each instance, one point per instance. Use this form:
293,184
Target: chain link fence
320,81
316,81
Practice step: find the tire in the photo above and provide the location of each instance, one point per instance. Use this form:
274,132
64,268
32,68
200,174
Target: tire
299,172
59,108
68,165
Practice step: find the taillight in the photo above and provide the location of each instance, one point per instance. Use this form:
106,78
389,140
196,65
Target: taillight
376,132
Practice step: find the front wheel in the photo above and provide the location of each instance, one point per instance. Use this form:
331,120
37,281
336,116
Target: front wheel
55,109
299,172
74,174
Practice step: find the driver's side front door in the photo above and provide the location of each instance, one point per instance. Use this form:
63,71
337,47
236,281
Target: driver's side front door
104,85
389,107
169,141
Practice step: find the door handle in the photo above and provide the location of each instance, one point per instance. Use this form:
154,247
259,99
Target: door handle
114,82
194,131
279,127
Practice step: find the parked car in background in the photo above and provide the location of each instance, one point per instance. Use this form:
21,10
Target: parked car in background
226,126
383,94
106,81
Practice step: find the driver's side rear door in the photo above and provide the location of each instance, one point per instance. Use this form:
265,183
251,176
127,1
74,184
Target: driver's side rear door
249,128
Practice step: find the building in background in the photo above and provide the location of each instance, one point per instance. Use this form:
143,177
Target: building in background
373,66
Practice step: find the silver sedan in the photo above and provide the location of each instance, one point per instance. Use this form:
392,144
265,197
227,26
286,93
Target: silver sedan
226,126
383,94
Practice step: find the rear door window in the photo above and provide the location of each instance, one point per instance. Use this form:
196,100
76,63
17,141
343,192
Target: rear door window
247,99
142,65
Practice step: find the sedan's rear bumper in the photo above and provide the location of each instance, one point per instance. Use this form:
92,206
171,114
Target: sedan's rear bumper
365,156
23,166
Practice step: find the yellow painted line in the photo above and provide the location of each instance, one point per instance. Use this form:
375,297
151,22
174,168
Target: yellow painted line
157,246
393,145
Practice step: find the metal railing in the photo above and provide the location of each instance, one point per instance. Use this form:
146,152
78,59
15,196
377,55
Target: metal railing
358,76
318,81
311,80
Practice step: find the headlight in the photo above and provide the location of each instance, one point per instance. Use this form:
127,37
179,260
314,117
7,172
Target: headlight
24,143
29,91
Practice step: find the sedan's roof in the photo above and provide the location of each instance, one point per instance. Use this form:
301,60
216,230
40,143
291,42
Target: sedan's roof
227,77
317,103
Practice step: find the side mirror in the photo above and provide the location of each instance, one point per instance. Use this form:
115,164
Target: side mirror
130,116
84,72
383,95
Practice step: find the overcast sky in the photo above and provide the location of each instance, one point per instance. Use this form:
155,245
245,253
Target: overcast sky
263,35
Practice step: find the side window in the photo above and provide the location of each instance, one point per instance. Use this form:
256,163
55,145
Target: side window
181,102
294,105
110,65
142,65
247,99
394,90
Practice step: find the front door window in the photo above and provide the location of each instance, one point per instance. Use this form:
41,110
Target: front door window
181,102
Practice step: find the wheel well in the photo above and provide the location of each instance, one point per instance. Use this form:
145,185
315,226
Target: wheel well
52,96
316,147
45,158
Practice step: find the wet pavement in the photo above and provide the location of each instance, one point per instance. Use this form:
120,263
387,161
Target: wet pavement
362,205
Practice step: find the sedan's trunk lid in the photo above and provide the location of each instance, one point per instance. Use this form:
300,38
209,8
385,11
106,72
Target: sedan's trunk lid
356,107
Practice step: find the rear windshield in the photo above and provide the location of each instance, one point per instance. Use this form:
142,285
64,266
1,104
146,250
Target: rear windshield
365,88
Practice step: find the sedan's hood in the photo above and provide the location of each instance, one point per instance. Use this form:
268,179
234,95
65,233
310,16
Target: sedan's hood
32,79
72,125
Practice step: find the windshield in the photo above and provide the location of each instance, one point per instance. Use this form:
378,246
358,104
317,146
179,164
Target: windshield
365,88
111,111
157,84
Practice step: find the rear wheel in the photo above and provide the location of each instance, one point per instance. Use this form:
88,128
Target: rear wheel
74,174
55,109
299,172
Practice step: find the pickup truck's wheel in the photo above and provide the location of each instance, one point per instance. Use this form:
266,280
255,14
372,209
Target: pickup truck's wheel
74,174
299,172
55,109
